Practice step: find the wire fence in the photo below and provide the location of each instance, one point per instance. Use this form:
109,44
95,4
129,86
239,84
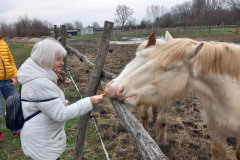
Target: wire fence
193,30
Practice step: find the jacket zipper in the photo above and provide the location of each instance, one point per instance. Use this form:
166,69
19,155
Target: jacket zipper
4,68
57,134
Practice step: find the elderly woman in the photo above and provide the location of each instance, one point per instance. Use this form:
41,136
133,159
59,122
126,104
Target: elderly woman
43,137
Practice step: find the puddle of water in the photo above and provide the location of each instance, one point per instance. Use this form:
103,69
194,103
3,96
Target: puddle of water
130,41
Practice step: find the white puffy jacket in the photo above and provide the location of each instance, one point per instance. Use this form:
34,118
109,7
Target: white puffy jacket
43,137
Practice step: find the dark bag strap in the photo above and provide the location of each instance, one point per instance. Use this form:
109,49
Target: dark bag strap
36,113
33,115
37,101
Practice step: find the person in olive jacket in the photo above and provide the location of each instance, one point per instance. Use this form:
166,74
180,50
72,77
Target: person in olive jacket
8,77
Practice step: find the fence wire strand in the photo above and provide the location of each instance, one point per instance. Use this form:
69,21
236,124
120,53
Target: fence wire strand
105,151
74,83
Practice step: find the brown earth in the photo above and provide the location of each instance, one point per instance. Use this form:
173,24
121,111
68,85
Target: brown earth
188,136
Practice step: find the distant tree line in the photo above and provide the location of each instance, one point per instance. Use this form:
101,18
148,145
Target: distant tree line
25,27
202,12
189,13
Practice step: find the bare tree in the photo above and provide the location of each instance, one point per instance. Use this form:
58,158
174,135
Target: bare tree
235,4
48,24
153,12
95,25
3,27
131,22
143,24
182,13
78,24
36,23
123,13
23,26
167,20
235,7
7,30
24,22
69,26
199,8
31,27
202,12
215,5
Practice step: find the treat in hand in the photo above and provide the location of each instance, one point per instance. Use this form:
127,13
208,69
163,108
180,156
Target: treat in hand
104,94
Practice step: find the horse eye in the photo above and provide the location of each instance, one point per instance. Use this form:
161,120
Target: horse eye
165,69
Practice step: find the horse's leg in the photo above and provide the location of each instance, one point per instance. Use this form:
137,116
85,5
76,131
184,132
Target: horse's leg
218,149
238,150
146,115
161,126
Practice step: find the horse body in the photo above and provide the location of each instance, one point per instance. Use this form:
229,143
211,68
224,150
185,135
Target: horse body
221,110
162,72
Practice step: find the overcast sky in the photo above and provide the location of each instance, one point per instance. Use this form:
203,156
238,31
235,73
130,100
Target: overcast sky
87,11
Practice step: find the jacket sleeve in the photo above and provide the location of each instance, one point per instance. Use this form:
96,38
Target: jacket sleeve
56,109
12,63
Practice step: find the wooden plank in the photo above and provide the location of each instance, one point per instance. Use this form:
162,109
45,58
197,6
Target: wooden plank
63,42
93,85
55,31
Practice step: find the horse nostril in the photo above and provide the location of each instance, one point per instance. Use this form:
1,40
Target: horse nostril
120,92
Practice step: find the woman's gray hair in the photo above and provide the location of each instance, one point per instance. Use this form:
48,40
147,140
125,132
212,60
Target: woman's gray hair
44,52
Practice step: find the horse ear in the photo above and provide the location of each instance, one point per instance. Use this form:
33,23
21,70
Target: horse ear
151,40
193,51
168,36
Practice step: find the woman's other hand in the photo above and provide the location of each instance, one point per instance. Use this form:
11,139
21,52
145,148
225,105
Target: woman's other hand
14,81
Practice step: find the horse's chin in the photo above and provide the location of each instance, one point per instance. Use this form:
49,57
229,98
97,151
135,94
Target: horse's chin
132,101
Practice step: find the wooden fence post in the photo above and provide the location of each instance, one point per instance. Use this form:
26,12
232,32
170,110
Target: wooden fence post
63,42
93,85
55,31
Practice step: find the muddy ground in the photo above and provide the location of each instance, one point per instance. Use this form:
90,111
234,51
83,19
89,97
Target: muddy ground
188,136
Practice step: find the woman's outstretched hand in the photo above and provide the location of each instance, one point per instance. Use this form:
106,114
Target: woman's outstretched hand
97,98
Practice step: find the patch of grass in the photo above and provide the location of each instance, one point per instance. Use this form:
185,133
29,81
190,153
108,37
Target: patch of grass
119,35
71,94
11,146
89,37
20,52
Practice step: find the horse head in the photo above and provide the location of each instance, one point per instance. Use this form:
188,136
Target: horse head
158,74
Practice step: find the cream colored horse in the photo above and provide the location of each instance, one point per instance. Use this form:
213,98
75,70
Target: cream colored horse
163,71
